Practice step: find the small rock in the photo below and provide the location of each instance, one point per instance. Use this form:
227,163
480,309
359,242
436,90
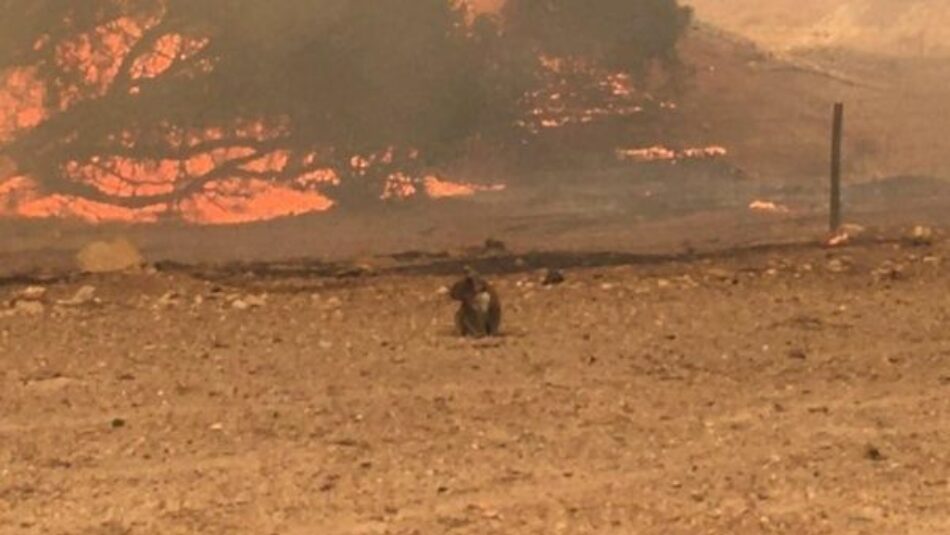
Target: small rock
117,423
32,293
837,265
797,354
108,257
553,277
921,236
888,272
256,301
240,304
84,296
30,308
333,303
169,299
873,454
217,427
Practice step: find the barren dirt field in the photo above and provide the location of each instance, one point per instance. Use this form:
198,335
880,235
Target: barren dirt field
793,390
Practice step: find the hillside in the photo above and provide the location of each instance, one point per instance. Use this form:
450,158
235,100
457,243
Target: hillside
773,111
900,28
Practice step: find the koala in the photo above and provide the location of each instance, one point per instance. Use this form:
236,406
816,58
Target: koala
479,313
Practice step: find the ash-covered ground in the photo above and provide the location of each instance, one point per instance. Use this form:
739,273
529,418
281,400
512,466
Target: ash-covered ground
786,390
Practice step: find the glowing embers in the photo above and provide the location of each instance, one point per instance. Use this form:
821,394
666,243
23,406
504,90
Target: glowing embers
90,62
20,197
401,186
221,202
576,92
768,207
244,201
659,153
21,101
124,177
440,189
166,51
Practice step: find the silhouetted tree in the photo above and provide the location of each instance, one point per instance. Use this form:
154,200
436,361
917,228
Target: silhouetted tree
405,83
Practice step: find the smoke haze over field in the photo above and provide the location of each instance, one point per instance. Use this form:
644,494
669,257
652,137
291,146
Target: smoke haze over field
913,28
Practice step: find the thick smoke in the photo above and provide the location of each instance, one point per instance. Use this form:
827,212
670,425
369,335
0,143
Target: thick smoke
359,89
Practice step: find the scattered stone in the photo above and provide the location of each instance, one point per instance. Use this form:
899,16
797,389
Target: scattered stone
109,257
248,302
873,454
921,236
256,301
32,293
84,296
169,299
333,303
888,271
838,265
29,308
553,277
797,354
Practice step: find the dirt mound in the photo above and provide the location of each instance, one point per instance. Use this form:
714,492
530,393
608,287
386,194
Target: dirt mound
109,256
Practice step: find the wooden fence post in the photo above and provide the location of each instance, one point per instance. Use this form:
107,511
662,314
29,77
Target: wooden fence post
836,141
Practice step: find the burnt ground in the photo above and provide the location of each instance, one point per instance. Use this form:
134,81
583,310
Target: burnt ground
785,390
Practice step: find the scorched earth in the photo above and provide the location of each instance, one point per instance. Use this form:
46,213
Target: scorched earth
792,390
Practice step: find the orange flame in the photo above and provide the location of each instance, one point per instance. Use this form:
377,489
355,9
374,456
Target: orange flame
94,60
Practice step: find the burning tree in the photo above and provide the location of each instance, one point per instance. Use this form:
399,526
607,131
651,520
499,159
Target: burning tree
170,108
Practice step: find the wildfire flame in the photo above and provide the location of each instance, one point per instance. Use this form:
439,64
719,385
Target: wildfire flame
94,60
659,153
400,186
768,207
